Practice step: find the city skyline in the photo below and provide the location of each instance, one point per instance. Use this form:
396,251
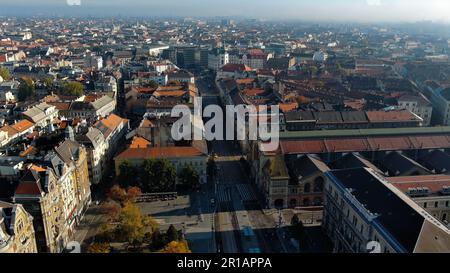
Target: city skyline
321,10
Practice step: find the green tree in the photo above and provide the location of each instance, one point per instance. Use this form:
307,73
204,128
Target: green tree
153,84
48,82
313,70
132,227
158,175
158,240
111,208
118,194
189,177
99,248
4,73
73,89
133,193
127,174
106,234
177,247
172,234
26,89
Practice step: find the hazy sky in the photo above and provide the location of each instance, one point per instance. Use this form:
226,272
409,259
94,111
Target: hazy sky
321,10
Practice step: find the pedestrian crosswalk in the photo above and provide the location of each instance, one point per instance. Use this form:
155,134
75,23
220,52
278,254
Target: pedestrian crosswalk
223,194
246,192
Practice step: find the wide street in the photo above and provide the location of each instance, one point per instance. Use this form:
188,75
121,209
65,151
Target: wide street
224,215
238,205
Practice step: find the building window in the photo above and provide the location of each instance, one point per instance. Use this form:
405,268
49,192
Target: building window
307,187
436,204
425,205
318,184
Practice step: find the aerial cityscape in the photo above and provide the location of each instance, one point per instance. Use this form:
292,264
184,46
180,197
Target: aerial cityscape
262,127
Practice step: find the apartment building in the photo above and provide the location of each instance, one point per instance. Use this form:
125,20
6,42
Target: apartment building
418,105
16,229
362,207
431,192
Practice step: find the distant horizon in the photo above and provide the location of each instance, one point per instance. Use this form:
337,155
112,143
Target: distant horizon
350,11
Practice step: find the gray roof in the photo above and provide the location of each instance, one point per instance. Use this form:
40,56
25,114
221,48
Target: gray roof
95,137
354,116
296,116
37,112
328,117
438,161
305,166
68,151
397,164
351,161
101,102
392,214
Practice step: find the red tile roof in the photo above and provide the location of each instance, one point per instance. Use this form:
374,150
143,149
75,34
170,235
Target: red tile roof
159,152
288,107
109,124
139,142
28,188
235,68
61,106
22,125
434,183
364,144
389,116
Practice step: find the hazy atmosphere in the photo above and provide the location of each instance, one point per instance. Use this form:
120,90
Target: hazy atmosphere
318,10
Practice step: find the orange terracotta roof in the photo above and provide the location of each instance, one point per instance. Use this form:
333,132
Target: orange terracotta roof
139,142
288,107
245,81
92,98
51,98
111,123
146,123
253,91
27,151
23,125
434,183
10,130
170,88
159,152
144,90
36,167
364,144
235,67
385,116
169,93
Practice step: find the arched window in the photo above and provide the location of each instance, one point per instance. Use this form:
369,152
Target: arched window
307,187
444,217
318,184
